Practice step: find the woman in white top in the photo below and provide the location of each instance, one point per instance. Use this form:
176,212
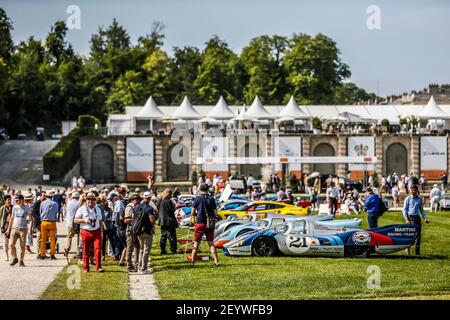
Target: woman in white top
89,217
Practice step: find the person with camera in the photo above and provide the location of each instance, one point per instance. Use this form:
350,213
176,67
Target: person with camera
132,241
168,222
89,218
5,215
143,228
412,206
204,211
72,228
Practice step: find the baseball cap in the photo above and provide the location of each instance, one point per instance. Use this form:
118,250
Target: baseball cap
147,194
135,196
75,194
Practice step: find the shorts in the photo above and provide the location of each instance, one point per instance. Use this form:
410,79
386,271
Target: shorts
200,230
18,234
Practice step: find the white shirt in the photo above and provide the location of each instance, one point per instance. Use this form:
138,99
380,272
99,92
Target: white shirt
93,214
72,207
250,181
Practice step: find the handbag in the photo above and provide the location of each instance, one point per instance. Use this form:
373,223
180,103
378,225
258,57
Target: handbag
210,221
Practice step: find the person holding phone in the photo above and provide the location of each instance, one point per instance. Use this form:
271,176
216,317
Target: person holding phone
412,206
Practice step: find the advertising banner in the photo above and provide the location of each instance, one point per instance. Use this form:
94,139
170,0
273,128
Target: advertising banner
215,147
433,156
139,158
360,146
288,147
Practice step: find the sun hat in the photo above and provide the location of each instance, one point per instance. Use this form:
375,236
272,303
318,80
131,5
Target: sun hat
50,193
75,195
90,195
135,196
29,196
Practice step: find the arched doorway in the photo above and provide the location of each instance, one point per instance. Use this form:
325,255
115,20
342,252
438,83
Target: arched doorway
324,150
177,162
102,163
396,159
250,150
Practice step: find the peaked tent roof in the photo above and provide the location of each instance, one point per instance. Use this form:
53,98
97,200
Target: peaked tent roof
257,111
185,111
433,111
150,110
221,110
293,110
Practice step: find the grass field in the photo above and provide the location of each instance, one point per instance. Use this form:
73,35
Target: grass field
424,277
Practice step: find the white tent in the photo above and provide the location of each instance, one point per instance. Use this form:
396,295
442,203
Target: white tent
150,111
186,112
257,111
221,111
292,110
433,111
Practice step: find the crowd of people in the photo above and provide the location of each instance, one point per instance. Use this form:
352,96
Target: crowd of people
117,222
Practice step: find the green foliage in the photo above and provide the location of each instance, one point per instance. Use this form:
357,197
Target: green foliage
50,77
88,124
385,123
194,177
403,121
314,68
59,160
316,123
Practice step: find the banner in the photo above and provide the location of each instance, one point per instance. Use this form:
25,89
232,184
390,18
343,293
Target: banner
290,146
363,146
215,147
271,160
433,156
139,158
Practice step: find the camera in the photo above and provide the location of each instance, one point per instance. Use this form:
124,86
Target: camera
92,221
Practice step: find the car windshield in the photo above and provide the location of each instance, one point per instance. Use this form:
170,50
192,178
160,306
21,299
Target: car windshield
242,208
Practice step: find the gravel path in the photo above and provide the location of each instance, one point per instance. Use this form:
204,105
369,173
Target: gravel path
142,287
30,282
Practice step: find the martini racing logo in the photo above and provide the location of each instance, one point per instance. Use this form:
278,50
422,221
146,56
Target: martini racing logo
361,238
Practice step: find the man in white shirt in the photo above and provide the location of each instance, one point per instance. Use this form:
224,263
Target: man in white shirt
333,196
72,207
435,197
89,217
250,181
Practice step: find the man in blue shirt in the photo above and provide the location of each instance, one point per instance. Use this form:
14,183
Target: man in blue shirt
49,216
372,204
203,206
412,206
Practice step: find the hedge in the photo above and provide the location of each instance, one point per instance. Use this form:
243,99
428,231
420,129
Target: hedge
59,160
87,124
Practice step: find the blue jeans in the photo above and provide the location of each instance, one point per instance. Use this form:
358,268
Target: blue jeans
373,220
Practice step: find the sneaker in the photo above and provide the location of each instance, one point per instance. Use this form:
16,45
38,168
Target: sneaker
53,258
86,270
21,264
39,257
122,264
215,265
100,270
14,262
147,271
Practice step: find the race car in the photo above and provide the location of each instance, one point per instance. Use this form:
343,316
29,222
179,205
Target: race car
307,238
237,230
265,207
444,203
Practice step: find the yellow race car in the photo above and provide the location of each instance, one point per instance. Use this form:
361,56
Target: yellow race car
264,207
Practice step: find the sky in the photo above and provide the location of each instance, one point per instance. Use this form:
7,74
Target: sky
410,49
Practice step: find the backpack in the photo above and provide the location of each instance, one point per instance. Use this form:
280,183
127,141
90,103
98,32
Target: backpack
382,208
139,224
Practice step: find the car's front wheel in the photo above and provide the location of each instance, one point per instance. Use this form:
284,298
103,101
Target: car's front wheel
264,247
358,252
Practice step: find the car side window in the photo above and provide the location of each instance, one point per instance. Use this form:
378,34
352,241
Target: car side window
299,228
259,207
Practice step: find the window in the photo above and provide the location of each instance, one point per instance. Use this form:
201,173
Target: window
299,228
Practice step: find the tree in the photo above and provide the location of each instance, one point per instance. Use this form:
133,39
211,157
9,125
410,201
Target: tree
184,71
127,90
6,42
56,47
156,68
314,68
263,62
349,93
27,92
220,73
